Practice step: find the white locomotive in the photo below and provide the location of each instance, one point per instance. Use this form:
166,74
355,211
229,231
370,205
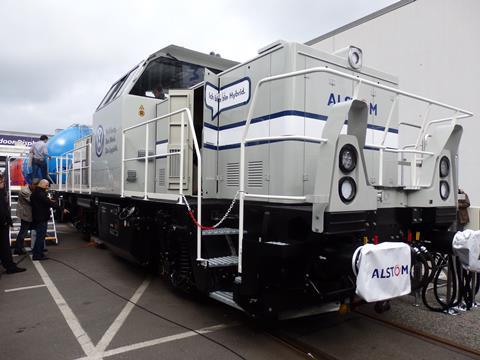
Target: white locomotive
254,183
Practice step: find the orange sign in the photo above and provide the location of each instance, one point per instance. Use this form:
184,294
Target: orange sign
141,111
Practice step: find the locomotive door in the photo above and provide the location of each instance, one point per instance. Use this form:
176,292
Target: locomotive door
209,141
168,140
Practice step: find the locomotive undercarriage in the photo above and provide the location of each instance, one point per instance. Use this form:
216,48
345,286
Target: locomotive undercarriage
285,265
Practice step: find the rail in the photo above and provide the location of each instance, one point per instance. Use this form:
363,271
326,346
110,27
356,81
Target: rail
65,169
180,153
359,81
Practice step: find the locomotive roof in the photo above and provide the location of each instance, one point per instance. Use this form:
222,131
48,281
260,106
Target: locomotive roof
195,57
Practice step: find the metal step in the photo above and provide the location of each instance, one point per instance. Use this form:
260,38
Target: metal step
225,297
220,231
15,230
223,261
278,243
27,239
49,224
51,228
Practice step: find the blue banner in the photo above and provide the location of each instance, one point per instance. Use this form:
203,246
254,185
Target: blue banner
11,140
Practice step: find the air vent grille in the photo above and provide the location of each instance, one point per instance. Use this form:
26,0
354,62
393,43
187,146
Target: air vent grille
174,164
255,174
161,177
131,175
233,174
141,153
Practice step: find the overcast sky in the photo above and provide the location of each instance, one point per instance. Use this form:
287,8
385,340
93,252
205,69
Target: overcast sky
58,58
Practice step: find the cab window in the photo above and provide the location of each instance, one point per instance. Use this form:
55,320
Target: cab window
163,74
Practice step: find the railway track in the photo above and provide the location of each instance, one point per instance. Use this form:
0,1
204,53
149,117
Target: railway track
301,348
441,342
311,350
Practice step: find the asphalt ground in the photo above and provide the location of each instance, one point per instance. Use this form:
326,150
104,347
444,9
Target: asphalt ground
79,308
84,318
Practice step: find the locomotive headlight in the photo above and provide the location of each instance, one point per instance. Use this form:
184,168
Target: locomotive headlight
347,189
444,166
355,57
444,190
348,158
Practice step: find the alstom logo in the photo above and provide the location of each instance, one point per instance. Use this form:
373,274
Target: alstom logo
337,98
388,272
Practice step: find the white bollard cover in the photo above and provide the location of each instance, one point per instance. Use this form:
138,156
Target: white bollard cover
383,271
466,246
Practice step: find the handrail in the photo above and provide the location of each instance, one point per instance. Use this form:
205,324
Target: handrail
422,135
69,158
433,121
153,156
287,137
409,124
389,119
191,127
359,82
279,197
393,150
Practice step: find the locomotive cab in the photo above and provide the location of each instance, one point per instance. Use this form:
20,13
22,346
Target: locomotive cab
135,98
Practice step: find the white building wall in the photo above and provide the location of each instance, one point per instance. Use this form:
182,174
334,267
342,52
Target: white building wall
433,46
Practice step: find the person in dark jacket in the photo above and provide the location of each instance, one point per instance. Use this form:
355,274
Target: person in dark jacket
24,213
41,205
462,214
5,223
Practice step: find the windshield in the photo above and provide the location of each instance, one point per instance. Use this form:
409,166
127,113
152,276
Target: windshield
163,74
114,91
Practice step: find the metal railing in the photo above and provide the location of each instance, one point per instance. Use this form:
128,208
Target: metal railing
66,167
359,81
180,153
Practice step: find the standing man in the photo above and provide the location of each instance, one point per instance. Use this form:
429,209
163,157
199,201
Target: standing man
24,213
41,205
5,223
39,155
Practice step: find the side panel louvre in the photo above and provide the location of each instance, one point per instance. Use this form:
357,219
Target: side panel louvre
233,174
255,174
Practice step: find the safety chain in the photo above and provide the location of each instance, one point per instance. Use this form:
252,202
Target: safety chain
192,216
